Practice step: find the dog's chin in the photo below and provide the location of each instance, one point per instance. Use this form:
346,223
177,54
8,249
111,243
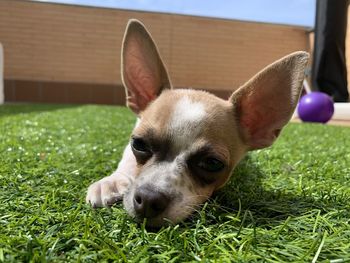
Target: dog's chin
173,215
164,219
155,223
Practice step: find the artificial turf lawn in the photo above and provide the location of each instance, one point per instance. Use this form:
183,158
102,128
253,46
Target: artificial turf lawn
290,202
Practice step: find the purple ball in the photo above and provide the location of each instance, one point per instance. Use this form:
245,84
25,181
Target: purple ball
316,107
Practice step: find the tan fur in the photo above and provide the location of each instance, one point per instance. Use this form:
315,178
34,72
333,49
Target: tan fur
251,118
219,111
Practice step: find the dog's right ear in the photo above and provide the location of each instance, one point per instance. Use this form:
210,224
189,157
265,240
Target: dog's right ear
143,73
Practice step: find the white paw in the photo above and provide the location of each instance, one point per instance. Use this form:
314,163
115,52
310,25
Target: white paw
107,191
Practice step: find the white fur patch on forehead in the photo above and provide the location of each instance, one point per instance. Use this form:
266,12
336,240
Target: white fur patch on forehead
186,121
187,111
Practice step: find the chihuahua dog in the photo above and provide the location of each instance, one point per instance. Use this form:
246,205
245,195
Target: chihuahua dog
187,142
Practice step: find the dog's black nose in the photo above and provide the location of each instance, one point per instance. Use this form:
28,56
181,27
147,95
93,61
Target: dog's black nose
149,203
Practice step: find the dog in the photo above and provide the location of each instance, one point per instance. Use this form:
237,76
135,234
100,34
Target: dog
187,142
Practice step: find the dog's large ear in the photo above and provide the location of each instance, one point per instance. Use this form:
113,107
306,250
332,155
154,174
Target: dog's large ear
143,73
267,101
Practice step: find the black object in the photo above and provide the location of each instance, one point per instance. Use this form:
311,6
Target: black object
329,72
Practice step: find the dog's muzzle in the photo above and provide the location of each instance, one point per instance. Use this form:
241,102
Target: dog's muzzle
150,203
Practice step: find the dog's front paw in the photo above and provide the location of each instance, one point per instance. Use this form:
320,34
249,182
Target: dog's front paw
107,191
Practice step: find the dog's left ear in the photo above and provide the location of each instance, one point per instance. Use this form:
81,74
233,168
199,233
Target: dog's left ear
266,102
143,73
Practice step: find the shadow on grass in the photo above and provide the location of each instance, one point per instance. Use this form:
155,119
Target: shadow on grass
19,108
245,192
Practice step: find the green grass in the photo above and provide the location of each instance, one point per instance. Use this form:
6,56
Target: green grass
288,203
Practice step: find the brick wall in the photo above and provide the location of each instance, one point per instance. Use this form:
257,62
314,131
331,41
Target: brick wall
54,43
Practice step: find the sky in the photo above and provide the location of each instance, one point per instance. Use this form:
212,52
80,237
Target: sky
292,12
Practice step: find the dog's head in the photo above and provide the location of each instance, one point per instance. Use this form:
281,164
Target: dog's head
188,141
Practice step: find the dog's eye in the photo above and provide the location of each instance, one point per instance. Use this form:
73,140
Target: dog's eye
210,164
205,167
141,150
140,145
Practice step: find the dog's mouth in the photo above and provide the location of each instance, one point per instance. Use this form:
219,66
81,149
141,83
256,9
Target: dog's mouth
166,219
153,223
158,221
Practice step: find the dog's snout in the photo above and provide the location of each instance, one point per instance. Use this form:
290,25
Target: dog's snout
149,203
